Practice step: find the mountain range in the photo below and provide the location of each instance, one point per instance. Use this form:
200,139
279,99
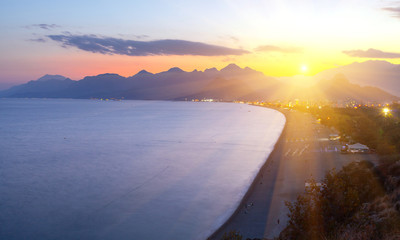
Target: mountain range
376,73
228,84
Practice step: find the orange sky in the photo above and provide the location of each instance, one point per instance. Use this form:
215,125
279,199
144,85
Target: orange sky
276,37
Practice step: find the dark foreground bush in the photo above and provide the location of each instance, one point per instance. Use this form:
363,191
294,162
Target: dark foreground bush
232,235
351,204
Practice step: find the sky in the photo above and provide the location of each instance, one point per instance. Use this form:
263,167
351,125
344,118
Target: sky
277,37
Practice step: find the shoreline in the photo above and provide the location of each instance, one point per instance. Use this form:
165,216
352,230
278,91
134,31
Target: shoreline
241,152
298,155
251,190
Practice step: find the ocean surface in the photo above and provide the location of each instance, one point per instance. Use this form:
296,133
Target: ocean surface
90,169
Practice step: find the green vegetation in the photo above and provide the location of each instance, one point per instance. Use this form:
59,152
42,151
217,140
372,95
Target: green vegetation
232,235
358,202
361,201
367,125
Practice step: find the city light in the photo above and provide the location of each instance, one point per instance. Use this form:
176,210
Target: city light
386,111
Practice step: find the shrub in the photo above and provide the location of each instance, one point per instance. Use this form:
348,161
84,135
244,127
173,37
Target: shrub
320,211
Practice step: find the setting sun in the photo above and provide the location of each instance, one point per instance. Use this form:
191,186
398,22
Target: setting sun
304,68
199,119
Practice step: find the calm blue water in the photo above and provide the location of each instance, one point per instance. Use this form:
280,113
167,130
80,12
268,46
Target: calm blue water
87,169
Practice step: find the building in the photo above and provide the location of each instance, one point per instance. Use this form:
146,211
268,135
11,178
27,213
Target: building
357,148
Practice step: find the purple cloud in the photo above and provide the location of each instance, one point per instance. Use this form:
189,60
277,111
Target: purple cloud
108,45
394,10
43,26
271,48
37,40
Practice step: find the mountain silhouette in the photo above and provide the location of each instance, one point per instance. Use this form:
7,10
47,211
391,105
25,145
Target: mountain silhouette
339,87
174,70
46,86
228,84
144,72
48,77
231,68
376,73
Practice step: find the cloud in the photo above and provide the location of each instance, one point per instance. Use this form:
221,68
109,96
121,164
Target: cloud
271,48
38,40
394,10
108,45
371,53
235,39
43,26
142,36
230,38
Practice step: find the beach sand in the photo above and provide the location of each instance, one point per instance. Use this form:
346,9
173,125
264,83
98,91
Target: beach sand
302,151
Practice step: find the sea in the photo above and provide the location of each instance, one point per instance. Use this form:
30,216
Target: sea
92,169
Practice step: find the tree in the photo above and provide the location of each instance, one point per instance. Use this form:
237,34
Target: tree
232,235
321,210
305,219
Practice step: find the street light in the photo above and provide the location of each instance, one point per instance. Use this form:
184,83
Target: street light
386,111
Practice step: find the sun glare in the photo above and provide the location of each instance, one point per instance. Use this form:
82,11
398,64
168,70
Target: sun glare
304,68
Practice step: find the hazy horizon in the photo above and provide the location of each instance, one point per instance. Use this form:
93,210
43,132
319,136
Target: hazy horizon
277,38
91,149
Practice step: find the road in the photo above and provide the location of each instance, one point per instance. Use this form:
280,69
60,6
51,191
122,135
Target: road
303,151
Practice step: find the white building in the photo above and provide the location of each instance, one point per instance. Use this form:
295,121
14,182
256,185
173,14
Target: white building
357,148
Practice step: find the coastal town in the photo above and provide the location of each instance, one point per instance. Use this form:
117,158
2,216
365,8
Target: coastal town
200,120
317,139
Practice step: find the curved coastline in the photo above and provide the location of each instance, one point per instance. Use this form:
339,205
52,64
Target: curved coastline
251,190
242,146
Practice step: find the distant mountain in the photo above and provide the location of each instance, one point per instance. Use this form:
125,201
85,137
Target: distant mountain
229,83
379,74
231,68
144,72
169,85
339,87
175,70
211,70
46,86
48,77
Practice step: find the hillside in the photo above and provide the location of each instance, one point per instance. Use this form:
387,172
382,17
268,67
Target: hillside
228,84
380,74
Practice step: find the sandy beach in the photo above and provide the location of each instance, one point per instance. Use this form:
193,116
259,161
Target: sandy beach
302,151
